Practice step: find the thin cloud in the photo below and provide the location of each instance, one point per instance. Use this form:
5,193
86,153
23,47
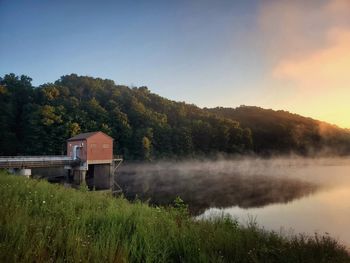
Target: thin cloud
308,46
325,68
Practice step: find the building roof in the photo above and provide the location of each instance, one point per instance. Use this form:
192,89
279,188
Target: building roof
86,135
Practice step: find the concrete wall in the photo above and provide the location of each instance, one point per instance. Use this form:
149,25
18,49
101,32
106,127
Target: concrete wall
99,176
22,172
103,178
49,172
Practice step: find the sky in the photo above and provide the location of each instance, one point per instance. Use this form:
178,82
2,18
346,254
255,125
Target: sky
279,54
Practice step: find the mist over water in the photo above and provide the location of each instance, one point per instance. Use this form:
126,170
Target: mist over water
303,194
223,183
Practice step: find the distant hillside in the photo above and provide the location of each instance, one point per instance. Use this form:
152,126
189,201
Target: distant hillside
38,120
284,132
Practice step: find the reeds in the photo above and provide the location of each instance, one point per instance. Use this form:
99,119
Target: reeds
42,222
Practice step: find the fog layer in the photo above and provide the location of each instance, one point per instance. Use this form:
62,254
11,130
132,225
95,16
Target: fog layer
244,182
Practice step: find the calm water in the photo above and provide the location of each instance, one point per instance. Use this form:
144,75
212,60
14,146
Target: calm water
289,195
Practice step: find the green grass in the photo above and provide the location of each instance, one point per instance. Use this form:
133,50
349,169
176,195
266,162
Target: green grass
42,222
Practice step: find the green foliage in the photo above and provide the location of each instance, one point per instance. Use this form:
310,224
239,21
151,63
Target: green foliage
42,222
280,132
146,126
74,129
180,206
83,187
146,148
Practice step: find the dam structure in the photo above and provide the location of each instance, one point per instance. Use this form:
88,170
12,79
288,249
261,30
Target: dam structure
89,160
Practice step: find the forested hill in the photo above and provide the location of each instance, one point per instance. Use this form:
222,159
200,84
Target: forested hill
38,120
283,132
144,125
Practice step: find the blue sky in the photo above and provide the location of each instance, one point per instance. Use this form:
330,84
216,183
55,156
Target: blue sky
183,50
210,53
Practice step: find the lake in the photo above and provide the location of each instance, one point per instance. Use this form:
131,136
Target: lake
292,195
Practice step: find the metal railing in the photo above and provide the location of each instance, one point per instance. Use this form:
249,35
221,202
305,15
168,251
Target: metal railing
35,161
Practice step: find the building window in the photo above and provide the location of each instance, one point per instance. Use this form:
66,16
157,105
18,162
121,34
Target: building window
93,145
105,146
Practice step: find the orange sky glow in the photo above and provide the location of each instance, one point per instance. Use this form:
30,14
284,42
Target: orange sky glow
310,54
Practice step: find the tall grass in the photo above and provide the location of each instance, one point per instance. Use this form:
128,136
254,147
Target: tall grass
42,222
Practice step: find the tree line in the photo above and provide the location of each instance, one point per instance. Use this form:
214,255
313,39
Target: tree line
145,126
281,132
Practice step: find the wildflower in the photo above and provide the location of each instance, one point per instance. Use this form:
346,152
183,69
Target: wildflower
44,202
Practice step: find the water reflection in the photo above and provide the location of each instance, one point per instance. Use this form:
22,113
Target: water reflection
324,212
204,185
305,195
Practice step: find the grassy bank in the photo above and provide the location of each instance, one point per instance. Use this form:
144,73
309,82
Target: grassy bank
41,222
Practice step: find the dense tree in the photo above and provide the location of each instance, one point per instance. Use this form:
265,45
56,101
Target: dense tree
16,93
38,120
276,132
